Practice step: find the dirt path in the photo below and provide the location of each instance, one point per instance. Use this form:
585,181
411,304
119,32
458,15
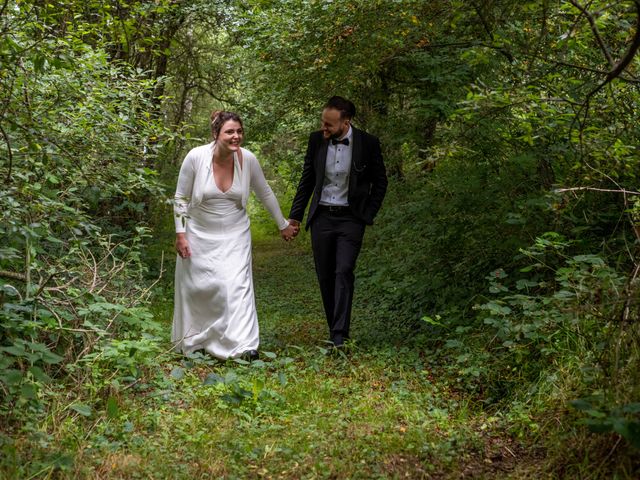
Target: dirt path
382,412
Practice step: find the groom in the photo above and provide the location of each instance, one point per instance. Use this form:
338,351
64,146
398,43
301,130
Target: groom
344,171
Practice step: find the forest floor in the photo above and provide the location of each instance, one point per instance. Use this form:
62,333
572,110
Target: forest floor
383,410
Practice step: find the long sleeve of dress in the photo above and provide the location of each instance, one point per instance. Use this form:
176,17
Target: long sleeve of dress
184,190
266,196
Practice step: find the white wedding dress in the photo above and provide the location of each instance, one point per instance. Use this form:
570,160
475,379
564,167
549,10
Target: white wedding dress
214,305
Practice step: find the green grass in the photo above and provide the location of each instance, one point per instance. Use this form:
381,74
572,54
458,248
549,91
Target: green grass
383,411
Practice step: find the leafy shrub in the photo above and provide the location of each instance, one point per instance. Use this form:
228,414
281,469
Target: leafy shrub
78,144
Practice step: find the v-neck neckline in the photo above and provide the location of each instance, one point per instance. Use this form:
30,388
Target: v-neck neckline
235,168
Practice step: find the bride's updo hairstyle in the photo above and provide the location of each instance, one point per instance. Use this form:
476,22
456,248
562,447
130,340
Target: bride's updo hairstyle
219,118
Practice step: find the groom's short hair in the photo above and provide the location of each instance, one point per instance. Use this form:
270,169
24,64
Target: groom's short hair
346,107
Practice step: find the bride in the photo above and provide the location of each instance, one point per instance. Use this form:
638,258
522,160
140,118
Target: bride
214,306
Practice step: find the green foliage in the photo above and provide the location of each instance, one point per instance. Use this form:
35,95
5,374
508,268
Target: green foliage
466,221
538,322
79,143
624,420
499,284
486,113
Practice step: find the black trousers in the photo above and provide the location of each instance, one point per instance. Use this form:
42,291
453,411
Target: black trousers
336,239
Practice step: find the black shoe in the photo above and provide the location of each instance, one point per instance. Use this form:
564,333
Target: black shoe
250,355
336,350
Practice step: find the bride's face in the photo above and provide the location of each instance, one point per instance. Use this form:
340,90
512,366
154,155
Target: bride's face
230,136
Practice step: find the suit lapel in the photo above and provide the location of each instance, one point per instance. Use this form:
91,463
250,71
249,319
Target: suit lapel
321,162
356,153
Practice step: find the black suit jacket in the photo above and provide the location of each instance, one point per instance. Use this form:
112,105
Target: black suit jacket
367,177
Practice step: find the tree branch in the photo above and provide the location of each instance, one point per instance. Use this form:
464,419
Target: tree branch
4,7
13,275
10,153
624,62
596,32
471,44
488,31
593,189
631,52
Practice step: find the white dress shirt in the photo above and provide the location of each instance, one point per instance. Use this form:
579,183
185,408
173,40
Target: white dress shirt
335,189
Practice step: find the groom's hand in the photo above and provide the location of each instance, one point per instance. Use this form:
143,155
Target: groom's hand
296,225
289,232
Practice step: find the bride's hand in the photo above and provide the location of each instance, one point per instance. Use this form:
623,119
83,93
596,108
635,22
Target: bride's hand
289,232
182,245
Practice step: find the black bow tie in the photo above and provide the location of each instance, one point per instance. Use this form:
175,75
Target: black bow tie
344,141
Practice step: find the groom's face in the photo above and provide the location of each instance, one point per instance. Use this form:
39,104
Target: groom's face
332,125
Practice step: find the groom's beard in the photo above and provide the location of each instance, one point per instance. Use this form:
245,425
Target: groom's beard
337,135
328,136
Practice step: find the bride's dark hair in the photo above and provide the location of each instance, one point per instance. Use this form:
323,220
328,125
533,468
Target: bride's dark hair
219,118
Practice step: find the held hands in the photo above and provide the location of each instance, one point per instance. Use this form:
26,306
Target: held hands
182,246
290,232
